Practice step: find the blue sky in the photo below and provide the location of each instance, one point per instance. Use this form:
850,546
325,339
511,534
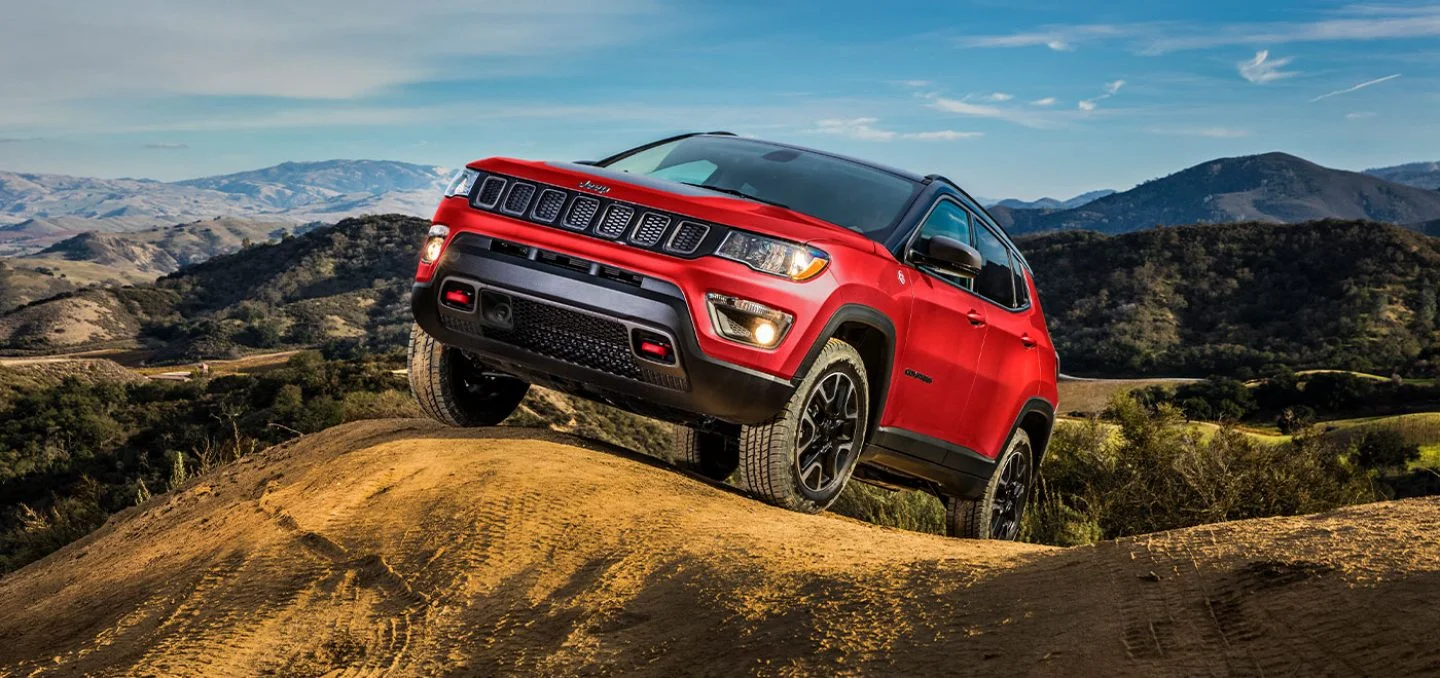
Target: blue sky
1017,98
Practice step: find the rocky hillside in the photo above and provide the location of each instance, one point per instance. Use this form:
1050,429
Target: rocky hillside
403,548
345,281
1235,298
1269,188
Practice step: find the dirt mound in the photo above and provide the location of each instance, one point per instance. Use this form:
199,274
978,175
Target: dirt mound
400,546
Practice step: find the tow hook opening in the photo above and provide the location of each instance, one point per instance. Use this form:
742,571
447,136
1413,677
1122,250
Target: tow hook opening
458,295
653,346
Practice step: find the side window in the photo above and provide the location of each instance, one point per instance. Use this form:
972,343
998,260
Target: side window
1022,290
951,220
996,281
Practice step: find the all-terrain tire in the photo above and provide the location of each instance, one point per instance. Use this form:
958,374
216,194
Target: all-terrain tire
453,390
770,453
708,453
981,518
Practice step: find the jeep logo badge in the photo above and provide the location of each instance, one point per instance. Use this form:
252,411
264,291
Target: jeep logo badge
592,186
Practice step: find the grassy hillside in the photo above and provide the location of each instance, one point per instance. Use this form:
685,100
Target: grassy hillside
1242,298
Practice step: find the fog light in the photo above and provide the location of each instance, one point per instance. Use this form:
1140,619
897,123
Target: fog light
748,322
434,244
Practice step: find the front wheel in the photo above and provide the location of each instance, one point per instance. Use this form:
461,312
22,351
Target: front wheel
801,459
997,514
453,390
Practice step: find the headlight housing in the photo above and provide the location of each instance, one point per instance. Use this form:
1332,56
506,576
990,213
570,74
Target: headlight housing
748,322
462,183
776,257
434,244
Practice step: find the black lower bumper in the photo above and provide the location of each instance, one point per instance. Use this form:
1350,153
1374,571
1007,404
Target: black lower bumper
572,327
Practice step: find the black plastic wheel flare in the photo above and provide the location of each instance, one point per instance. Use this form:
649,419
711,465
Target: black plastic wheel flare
1009,503
825,442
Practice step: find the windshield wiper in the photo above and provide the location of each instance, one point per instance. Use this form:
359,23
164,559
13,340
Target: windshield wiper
737,193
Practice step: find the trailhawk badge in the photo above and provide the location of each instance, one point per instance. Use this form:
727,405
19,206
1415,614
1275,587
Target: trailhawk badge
592,186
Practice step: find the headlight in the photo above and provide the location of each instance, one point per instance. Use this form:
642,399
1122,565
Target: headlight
748,322
462,183
434,244
778,257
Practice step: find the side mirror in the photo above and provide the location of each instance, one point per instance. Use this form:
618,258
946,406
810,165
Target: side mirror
949,255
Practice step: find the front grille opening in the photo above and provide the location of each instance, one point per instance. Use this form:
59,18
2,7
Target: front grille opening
616,219
548,207
582,213
650,229
518,200
687,237
490,191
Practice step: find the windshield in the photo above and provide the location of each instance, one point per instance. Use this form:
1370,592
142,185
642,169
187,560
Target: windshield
843,192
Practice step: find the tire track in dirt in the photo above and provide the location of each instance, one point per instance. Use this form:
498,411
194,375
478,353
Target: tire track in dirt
398,548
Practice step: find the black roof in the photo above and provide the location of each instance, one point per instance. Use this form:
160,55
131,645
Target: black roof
904,174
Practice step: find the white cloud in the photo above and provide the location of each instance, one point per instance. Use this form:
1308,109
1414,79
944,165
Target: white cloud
1012,114
1047,101
864,129
998,96
916,83
319,49
1111,88
1263,69
1359,115
1060,46
1353,23
1348,90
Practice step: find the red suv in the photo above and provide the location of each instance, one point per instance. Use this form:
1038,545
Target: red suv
804,317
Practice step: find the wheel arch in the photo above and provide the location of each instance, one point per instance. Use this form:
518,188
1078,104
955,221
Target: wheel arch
872,334
1037,419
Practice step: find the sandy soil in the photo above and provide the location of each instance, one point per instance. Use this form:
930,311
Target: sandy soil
398,547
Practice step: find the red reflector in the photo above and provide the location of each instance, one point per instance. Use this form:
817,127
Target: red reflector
458,297
655,348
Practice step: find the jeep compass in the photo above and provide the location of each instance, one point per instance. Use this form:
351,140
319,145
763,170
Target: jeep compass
801,317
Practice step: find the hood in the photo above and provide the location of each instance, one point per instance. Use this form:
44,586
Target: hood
692,201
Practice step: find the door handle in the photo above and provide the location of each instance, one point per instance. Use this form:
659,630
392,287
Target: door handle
976,318
1028,340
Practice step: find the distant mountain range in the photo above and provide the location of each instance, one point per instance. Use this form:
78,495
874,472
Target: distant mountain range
1417,174
1052,203
1273,188
37,210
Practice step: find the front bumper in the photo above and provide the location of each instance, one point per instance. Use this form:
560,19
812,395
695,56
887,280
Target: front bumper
573,327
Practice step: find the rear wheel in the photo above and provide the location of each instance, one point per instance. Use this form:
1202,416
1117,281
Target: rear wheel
802,458
455,390
998,513
709,453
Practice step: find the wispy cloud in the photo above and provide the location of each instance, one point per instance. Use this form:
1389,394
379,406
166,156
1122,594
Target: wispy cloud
1359,115
1047,101
1207,132
998,97
1111,88
1263,69
18,140
167,146
1011,114
1360,86
864,129
916,83
1354,23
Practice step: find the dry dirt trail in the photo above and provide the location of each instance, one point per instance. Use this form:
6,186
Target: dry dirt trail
397,547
